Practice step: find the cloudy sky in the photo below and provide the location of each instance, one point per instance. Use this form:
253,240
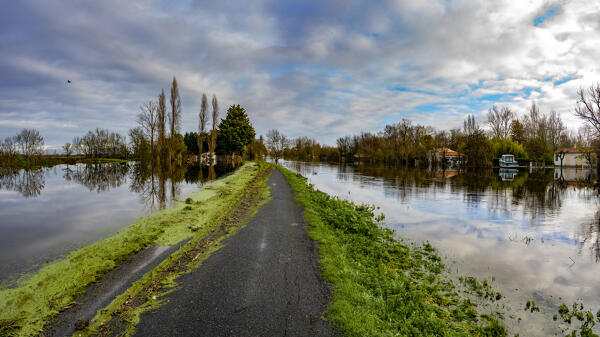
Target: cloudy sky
321,69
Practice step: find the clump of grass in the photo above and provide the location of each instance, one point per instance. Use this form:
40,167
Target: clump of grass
189,201
530,305
27,309
384,287
585,319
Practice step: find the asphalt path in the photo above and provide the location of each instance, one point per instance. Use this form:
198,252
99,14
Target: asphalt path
265,281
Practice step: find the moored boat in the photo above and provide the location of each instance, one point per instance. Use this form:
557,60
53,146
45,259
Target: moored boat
508,160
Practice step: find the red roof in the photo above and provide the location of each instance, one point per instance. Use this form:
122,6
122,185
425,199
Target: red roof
447,152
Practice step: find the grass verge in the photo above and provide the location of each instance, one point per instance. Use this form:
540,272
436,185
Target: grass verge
383,286
28,308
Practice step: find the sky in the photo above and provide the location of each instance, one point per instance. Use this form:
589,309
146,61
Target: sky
322,69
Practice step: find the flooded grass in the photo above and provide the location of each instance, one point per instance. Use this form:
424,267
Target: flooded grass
28,308
383,286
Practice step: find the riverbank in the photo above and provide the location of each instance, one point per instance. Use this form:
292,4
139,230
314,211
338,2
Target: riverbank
382,286
32,306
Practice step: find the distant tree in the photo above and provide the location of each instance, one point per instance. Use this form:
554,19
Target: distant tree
178,148
175,114
470,126
147,119
235,131
202,119
161,124
8,148
190,139
475,147
344,145
139,145
537,149
499,120
276,144
29,142
517,132
215,122
68,149
555,129
256,149
477,150
506,146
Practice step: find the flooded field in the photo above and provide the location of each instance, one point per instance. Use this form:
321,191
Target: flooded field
47,212
533,235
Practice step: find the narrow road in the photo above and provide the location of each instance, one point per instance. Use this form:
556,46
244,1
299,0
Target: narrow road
263,282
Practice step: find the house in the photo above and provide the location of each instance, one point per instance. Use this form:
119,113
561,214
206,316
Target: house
444,156
571,157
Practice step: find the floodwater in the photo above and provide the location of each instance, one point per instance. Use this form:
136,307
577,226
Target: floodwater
533,235
47,212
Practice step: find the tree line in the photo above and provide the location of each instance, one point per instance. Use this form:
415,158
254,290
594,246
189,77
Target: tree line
533,136
158,134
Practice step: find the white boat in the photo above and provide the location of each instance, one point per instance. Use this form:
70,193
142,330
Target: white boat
508,160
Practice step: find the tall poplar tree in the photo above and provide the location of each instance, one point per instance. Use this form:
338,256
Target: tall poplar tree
215,117
162,124
175,114
202,122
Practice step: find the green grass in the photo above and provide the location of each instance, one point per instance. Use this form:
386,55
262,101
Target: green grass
28,308
383,286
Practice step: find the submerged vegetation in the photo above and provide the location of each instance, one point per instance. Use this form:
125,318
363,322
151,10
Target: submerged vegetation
30,307
382,286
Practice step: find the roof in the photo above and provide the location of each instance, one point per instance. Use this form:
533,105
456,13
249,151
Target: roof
445,151
568,150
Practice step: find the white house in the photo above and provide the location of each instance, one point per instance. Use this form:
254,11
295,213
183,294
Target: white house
571,157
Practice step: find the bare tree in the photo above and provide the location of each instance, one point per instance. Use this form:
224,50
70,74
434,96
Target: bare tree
276,143
202,122
588,106
215,120
499,120
535,123
555,128
470,126
8,147
29,142
68,148
175,115
148,121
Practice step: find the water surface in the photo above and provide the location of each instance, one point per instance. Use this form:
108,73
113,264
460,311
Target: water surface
47,212
535,234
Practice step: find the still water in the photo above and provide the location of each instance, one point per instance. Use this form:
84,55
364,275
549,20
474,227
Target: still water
535,234
47,212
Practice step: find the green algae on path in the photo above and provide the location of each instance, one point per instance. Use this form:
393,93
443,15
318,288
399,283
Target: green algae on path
26,310
382,286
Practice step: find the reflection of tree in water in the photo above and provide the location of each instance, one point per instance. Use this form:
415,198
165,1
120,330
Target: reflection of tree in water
29,183
155,182
97,177
589,236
